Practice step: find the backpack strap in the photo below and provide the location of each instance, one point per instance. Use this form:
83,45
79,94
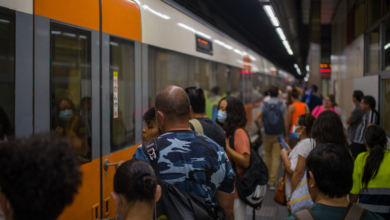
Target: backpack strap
197,125
150,149
279,104
354,212
305,214
266,104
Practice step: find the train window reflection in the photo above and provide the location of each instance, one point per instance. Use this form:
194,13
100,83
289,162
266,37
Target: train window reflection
373,51
7,75
122,93
386,105
386,47
71,87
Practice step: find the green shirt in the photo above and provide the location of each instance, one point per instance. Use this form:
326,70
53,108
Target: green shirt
325,212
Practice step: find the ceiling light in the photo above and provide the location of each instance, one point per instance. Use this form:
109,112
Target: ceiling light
281,34
270,12
387,46
252,58
296,66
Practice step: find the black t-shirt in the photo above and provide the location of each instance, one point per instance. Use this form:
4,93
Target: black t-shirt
212,130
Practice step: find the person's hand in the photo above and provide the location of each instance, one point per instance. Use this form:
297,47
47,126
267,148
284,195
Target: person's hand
117,164
283,151
288,207
57,131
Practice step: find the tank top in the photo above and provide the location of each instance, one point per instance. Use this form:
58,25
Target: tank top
300,109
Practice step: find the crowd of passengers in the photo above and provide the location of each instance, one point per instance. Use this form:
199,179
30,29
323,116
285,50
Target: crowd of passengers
327,170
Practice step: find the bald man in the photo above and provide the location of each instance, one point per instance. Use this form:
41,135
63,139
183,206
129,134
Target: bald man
190,161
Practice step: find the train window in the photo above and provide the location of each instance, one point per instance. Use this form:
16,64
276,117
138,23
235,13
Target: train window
122,93
166,68
222,78
71,87
386,45
386,105
374,9
373,51
234,81
7,75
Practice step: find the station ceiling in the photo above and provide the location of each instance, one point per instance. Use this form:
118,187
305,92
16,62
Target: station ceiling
247,22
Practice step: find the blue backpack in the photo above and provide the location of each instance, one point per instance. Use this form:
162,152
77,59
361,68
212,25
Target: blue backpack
273,119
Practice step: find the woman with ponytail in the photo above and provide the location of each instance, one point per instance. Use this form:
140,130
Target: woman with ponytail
135,190
371,176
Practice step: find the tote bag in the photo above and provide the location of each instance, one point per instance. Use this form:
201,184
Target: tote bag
300,199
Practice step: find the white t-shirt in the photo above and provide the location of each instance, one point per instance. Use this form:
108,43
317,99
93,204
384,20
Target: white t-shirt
302,148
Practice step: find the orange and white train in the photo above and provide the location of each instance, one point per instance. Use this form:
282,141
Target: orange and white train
105,61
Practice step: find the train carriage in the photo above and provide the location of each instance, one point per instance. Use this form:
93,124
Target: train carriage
92,68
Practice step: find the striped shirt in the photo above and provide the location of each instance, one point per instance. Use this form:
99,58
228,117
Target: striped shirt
370,117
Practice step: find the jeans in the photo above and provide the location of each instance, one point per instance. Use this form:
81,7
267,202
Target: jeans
272,158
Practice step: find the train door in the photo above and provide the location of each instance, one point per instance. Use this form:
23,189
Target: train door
86,74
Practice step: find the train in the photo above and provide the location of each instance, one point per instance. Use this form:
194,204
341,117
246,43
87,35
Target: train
88,70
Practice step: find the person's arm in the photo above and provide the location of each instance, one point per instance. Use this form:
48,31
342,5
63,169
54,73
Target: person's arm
258,115
226,202
298,173
286,161
290,110
307,109
286,127
353,198
242,160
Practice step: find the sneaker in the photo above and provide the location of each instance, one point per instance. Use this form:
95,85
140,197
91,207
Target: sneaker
273,187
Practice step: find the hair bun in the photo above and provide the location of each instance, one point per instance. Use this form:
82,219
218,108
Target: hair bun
139,182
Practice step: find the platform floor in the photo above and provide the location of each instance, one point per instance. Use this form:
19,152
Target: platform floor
270,210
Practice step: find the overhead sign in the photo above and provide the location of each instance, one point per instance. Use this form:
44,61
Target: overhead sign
203,45
115,94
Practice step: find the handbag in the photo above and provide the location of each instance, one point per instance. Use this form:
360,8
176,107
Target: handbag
300,199
280,194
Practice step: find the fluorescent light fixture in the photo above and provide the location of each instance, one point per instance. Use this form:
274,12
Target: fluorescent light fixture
83,37
387,46
156,12
69,34
113,43
296,66
270,12
193,30
281,34
252,58
56,32
307,68
4,21
289,51
238,51
223,44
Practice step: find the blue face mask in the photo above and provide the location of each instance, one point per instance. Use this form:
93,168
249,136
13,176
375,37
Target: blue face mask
66,115
221,116
294,135
117,213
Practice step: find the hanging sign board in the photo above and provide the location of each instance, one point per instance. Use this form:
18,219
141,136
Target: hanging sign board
115,98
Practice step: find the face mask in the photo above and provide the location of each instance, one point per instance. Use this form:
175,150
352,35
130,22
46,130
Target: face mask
2,217
221,116
66,115
117,213
159,127
294,134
